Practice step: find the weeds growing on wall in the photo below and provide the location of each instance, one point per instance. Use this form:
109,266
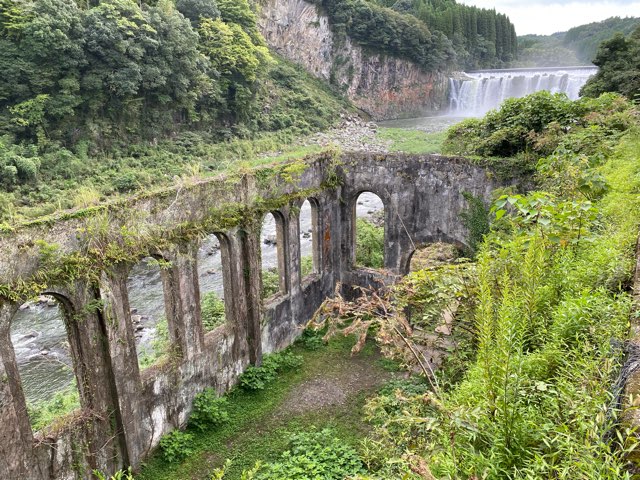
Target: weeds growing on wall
45,413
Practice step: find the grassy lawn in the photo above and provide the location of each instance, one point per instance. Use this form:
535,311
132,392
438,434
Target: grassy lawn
412,141
329,390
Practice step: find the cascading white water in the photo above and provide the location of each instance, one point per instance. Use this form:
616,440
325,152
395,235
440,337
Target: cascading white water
485,90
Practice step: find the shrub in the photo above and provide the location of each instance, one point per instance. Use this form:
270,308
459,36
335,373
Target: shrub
213,314
120,475
270,282
44,413
209,410
317,455
311,339
176,446
369,244
257,378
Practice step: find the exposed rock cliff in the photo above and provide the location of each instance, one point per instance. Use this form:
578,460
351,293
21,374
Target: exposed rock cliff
383,86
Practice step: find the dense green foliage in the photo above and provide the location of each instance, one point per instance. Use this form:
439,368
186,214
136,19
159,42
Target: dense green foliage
527,128
313,454
212,308
270,282
586,39
548,298
435,34
480,37
45,413
209,410
122,70
577,46
124,95
619,62
369,244
50,178
176,446
257,378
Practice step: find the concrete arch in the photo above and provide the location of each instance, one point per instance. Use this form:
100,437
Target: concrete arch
282,249
316,229
385,200
406,259
228,277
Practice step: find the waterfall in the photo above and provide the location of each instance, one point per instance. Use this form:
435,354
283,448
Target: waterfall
481,91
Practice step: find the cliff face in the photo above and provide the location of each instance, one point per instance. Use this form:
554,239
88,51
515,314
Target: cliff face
383,86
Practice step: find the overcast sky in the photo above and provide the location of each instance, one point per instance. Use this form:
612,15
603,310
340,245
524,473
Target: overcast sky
549,16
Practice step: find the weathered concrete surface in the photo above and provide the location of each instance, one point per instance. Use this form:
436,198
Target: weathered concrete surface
381,85
125,411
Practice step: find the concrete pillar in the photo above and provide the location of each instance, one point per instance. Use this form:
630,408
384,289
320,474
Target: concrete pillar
249,258
17,456
182,300
292,254
283,240
96,385
233,281
132,412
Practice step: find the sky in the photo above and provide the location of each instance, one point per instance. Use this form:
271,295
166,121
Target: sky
549,16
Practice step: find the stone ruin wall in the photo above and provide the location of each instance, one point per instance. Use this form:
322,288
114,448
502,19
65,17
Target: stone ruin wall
124,411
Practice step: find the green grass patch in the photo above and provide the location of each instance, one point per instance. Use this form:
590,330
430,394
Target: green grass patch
260,423
412,141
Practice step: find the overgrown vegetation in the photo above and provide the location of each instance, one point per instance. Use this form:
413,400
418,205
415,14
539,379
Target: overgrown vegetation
213,313
261,427
312,454
209,410
369,244
543,310
526,129
45,413
180,96
270,282
619,62
257,378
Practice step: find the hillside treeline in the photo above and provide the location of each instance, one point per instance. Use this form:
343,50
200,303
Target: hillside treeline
577,46
619,62
436,34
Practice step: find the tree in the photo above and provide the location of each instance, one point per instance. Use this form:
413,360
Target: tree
195,10
619,62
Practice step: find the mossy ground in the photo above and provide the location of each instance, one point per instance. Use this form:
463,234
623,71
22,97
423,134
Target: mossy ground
329,390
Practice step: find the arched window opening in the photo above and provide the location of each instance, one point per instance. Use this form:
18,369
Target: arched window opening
272,253
309,245
146,301
433,255
211,282
41,344
369,231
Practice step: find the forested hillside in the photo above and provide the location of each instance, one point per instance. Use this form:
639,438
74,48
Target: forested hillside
446,35
577,46
118,96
